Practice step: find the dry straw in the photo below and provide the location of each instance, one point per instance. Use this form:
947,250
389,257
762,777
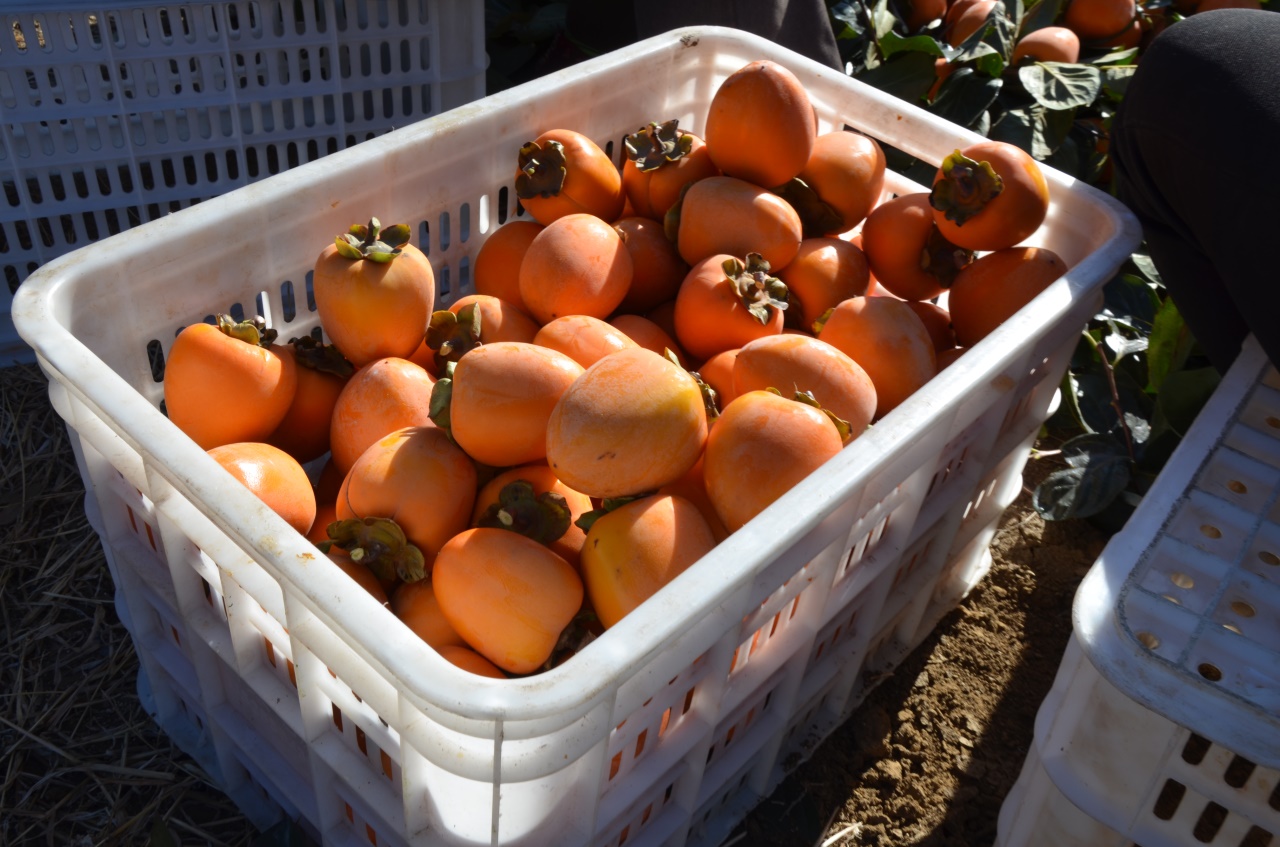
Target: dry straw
81,762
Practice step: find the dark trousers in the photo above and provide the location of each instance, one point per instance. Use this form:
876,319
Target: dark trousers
1196,144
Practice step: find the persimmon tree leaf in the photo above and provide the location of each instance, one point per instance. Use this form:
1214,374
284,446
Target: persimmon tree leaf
908,76
966,96
1096,404
1115,81
891,44
1130,298
1058,85
1182,395
1037,130
1146,267
882,19
1084,450
1039,16
1084,489
1170,345
1115,57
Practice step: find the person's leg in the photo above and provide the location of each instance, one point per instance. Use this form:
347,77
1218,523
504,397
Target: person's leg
1195,144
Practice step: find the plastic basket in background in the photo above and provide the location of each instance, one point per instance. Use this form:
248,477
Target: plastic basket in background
305,698
1163,725
114,114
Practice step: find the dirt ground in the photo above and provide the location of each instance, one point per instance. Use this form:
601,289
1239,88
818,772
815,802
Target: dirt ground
927,759
932,752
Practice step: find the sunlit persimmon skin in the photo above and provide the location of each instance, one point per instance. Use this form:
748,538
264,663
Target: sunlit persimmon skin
500,320
653,192
577,265
415,603
371,310
710,316
724,215
1098,20
955,9
760,125
274,476
497,265
997,285
1048,44
508,596
761,446
647,334
937,321
363,576
889,341
418,478
972,16
592,183
383,396
922,12
631,423
717,372
471,661
693,487
846,169
906,252
824,272
657,268
636,549
793,363
1010,216
503,396
583,338
304,431
220,390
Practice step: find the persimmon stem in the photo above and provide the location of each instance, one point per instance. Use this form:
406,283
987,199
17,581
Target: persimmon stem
1115,392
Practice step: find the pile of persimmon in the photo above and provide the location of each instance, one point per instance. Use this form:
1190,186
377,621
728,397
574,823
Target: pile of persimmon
654,354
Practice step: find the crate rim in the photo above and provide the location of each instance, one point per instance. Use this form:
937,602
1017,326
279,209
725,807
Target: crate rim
1098,618
591,676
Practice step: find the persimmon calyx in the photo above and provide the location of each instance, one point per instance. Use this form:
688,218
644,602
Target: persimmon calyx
371,241
756,289
318,356
579,632
380,545
654,145
450,335
710,398
822,320
438,406
966,187
607,505
543,517
543,170
806,398
817,217
941,259
253,331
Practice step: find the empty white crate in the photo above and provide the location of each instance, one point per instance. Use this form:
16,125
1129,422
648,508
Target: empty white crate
309,699
113,114
1163,725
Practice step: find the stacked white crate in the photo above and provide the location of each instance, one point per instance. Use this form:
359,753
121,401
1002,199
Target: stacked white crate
1163,724
113,114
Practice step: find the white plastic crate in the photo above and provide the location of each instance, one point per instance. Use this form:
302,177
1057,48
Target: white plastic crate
117,113
673,724
1163,725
